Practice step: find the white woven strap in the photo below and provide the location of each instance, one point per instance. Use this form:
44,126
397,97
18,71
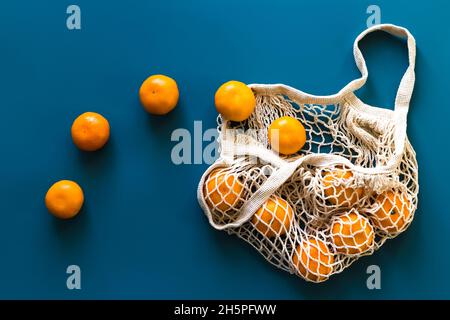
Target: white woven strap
404,92
406,86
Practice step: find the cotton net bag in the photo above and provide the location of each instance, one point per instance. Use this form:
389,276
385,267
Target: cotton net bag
352,186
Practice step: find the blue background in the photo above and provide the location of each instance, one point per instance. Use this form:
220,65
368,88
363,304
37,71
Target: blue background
141,233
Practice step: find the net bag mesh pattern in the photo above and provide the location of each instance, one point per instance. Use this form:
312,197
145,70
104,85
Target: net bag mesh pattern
352,186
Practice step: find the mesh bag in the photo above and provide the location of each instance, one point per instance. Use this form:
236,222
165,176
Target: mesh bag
352,186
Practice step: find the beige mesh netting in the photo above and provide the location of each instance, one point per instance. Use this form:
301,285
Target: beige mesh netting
351,187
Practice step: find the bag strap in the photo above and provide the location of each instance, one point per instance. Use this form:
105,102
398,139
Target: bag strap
404,92
406,86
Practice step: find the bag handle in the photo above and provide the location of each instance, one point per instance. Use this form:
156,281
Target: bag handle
404,92
406,86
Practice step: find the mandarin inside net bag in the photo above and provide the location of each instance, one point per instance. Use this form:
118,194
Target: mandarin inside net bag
352,186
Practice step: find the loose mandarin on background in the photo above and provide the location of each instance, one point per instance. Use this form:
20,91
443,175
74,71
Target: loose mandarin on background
90,131
313,259
336,191
159,94
393,212
222,190
286,135
64,199
352,234
274,217
235,101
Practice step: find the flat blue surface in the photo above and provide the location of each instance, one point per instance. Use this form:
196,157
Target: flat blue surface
142,233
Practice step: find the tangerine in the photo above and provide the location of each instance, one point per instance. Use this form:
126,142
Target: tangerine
235,101
90,131
393,212
287,135
223,190
159,94
313,259
64,199
336,191
274,217
352,234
